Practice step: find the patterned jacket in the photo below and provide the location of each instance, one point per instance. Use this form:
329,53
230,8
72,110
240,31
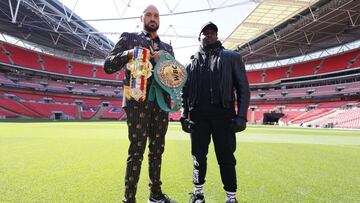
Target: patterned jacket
118,57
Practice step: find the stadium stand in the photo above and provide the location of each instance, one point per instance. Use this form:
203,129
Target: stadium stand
311,115
31,59
18,108
304,69
5,114
254,76
91,108
34,84
22,57
318,66
307,113
27,104
100,73
275,74
46,109
56,65
340,118
113,113
3,57
80,69
356,62
338,62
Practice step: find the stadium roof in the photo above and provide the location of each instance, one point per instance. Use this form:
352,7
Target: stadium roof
265,17
51,24
323,24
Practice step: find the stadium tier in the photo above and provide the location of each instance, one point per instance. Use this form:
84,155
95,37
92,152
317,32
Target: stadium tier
34,60
309,113
83,70
355,62
304,69
113,113
320,66
338,62
22,57
26,104
46,109
55,65
3,56
346,88
36,96
6,114
31,59
16,107
275,74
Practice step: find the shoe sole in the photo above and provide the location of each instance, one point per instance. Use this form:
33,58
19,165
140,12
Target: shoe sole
160,201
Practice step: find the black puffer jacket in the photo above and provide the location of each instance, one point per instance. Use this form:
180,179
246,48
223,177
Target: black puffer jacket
232,78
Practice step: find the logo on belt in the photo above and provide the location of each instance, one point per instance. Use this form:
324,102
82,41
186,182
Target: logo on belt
170,76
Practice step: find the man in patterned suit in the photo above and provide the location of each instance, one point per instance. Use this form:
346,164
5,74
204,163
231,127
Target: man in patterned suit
145,119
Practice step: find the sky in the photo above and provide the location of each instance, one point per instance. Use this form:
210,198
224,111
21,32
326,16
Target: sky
180,26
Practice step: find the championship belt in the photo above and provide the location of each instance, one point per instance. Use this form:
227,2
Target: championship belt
140,70
170,76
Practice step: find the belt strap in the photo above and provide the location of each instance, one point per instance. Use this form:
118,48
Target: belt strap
171,83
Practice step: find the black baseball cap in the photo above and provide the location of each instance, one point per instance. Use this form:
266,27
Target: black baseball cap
208,25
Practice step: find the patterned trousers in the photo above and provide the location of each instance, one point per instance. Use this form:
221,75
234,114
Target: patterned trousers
145,121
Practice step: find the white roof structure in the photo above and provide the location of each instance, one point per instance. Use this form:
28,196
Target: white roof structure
267,15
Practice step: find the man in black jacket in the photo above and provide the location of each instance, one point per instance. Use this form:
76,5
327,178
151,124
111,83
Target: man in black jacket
214,74
145,119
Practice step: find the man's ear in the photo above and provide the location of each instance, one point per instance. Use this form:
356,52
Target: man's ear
141,18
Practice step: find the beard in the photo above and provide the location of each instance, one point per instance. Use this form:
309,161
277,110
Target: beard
149,28
208,43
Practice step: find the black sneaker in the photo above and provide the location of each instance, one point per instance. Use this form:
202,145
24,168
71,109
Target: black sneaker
197,198
128,201
233,200
161,198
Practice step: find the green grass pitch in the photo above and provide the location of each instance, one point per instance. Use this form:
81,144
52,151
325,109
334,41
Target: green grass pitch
85,162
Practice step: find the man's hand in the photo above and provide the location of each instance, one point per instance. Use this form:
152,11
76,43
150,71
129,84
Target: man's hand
187,125
130,54
156,56
238,124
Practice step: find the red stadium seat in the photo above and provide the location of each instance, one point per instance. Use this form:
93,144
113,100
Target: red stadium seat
100,74
3,57
275,74
304,69
23,57
339,62
254,76
7,114
18,108
56,65
46,109
83,70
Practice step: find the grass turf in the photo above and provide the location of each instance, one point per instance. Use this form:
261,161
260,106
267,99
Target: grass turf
85,162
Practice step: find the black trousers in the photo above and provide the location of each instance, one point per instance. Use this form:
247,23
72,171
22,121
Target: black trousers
145,121
225,145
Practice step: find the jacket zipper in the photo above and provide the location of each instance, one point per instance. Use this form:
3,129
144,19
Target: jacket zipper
210,72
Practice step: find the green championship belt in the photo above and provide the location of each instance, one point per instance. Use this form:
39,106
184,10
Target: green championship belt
170,76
